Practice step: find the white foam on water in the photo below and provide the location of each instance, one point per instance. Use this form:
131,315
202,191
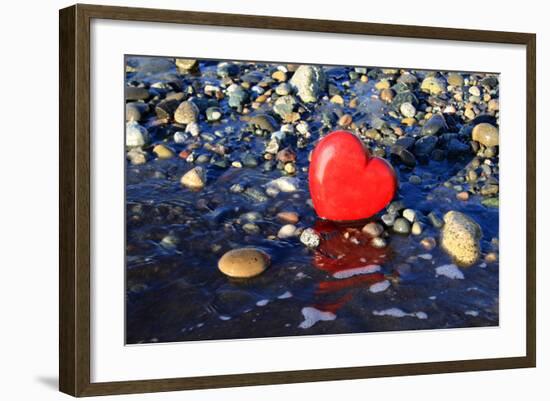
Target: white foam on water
433,298
224,317
262,302
471,313
380,286
396,312
421,315
449,271
393,312
426,256
286,295
357,270
313,315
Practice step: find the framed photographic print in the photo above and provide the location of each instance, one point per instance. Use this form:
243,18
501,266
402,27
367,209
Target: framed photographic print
297,200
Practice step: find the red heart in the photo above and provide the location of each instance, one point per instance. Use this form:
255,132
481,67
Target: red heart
347,183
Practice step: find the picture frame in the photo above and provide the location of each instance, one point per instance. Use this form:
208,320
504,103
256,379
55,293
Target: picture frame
76,202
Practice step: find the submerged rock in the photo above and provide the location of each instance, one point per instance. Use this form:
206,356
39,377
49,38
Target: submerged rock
284,184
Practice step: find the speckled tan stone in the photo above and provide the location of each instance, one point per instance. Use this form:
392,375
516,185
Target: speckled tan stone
460,237
243,262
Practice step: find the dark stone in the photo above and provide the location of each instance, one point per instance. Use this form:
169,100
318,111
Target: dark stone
395,207
491,82
400,154
165,108
252,77
227,70
484,118
403,97
455,147
425,145
405,141
255,194
435,220
262,121
132,93
434,125
249,160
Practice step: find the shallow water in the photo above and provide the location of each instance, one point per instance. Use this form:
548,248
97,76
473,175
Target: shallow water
175,291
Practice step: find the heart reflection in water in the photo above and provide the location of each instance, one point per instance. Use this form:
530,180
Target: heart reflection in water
346,254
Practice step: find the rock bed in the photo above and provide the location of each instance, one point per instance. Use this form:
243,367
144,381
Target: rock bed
217,160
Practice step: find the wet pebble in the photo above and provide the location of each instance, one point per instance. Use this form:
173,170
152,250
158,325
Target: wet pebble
255,194
373,229
249,160
463,196
450,271
288,217
284,184
180,137
186,113
407,110
455,79
251,228
425,145
244,262
163,152
136,93
136,156
434,125
428,243
402,226
410,215
435,220
433,85
417,228
213,114
388,219
136,135
460,238
486,134
309,82
134,111
310,238
286,155
378,242
287,231
185,65
194,178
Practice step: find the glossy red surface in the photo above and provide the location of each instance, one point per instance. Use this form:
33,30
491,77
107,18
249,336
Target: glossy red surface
347,183
344,248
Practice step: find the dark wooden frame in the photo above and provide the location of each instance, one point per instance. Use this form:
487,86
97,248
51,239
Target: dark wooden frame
74,199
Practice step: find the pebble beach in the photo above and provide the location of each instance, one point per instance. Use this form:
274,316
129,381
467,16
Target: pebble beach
223,241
